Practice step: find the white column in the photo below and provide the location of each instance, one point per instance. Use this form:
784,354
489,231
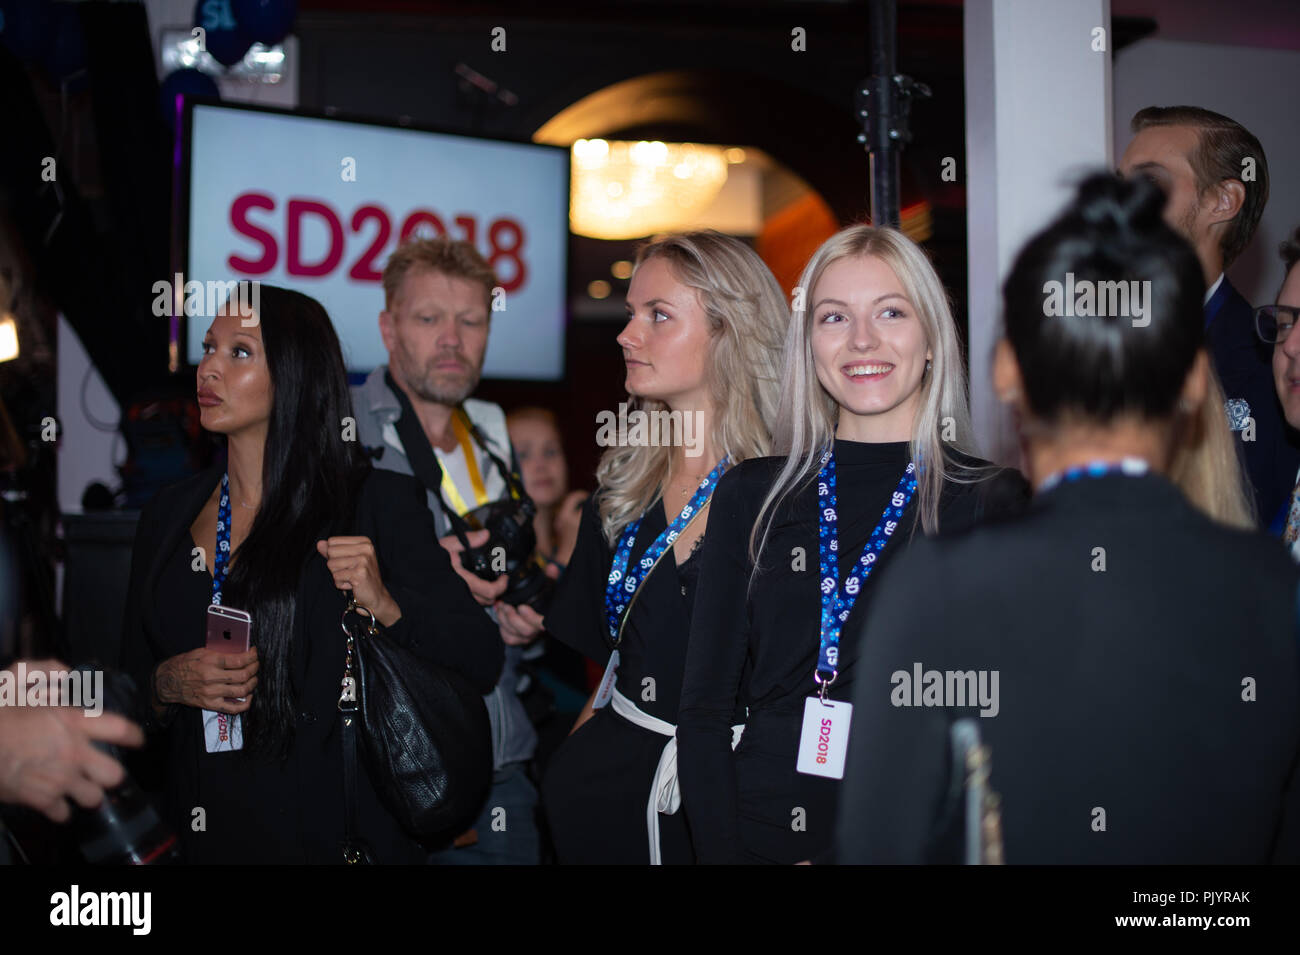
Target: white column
1038,116
90,446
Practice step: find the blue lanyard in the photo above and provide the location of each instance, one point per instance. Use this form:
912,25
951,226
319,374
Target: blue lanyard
837,604
623,582
1132,467
222,557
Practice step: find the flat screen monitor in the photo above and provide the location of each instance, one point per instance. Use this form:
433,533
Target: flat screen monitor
318,204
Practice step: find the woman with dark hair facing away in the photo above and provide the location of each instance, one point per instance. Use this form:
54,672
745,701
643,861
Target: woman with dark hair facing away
1129,663
288,521
871,444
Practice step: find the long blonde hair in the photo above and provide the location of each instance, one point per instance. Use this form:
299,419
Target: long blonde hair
747,315
1205,465
807,415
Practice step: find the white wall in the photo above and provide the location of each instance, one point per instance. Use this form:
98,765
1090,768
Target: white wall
1037,115
86,453
1255,87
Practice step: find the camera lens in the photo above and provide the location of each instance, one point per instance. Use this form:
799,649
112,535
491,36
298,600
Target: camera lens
124,829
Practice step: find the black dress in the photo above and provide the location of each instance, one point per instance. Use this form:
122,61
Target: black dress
597,784
1120,690
756,649
256,810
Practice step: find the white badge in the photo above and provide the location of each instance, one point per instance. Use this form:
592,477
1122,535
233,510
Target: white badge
222,732
606,689
824,740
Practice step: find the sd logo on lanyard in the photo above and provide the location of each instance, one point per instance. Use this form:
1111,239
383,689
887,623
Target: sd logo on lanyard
624,583
223,732
824,739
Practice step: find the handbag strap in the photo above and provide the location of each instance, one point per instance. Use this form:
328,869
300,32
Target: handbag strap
354,850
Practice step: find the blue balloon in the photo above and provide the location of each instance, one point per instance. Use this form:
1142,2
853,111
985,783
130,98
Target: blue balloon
27,28
223,36
266,21
189,83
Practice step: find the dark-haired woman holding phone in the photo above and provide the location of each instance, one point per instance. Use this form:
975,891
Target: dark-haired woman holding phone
290,519
1141,657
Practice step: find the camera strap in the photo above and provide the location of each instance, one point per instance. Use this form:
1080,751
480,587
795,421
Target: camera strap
424,462
458,504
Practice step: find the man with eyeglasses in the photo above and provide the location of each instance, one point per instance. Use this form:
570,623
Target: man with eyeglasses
1276,323
1215,175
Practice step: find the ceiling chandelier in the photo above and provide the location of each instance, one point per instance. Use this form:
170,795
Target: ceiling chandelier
626,190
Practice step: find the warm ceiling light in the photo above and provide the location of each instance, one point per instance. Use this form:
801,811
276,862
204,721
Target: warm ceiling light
916,222
8,338
735,155
622,269
598,289
626,190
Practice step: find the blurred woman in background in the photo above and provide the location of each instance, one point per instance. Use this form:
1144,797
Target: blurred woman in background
539,447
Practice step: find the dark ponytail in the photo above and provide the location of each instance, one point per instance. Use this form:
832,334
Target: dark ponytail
1106,362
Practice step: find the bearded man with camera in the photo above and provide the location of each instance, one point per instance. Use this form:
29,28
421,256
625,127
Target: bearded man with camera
414,415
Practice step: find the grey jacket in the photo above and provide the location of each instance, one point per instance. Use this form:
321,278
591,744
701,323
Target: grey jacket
377,410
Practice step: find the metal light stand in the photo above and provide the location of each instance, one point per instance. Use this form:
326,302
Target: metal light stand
884,107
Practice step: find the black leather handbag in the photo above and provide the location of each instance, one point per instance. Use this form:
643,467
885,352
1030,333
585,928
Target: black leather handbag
424,738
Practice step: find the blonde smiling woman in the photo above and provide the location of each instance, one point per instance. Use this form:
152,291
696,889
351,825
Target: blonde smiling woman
870,444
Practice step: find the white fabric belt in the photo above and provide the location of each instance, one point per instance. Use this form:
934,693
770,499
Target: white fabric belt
665,793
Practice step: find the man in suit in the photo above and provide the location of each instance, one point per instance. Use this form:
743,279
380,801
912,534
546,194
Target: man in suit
1215,175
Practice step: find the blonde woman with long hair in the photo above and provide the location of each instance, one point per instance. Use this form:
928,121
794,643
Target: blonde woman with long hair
702,348
871,443
1205,465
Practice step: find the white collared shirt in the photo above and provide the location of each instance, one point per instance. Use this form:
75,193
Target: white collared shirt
1209,294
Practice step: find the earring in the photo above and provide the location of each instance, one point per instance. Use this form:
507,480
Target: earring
927,366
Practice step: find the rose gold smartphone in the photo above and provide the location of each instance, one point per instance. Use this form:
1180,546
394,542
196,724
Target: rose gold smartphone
229,631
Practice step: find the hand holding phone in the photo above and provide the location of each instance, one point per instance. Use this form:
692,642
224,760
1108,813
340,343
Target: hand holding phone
229,631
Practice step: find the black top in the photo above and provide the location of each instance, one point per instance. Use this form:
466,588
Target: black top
292,812
757,648
658,625
1245,367
1120,689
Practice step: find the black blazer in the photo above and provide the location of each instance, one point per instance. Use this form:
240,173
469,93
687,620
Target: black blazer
1119,689
256,810
1244,365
